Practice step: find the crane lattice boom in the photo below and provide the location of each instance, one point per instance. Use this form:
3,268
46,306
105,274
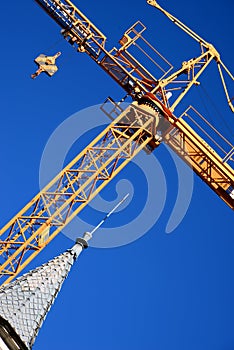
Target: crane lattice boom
147,122
68,193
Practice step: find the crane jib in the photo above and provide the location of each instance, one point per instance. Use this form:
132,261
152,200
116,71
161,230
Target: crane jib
56,12
143,125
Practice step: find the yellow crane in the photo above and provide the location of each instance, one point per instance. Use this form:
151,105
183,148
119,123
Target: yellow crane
147,122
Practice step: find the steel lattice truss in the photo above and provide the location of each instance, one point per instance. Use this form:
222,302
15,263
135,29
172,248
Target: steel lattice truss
134,129
61,200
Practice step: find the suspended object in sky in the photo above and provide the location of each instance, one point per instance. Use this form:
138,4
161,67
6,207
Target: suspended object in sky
46,64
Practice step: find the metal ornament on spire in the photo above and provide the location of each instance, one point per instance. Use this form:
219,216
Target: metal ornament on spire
109,214
25,303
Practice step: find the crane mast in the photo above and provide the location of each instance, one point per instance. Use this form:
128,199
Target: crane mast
148,121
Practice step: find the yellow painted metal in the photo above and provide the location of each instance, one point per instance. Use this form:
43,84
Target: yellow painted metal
193,68
129,73
177,22
71,190
197,153
73,19
208,165
210,52
80,18
224,84
134,129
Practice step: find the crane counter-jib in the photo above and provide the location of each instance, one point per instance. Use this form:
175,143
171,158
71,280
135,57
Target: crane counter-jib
84,36
67,13
69,17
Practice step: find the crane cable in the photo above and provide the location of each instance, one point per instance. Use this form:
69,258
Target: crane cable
219,114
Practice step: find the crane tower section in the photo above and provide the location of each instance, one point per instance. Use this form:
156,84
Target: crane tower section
144,125
71,190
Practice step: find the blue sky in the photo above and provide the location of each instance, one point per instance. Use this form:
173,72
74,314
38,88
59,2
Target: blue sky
163,291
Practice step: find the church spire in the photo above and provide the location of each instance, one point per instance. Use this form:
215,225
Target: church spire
25,302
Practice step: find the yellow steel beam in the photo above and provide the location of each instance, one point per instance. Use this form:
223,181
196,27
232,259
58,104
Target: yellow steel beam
193,69
205,46
71,190
204,160
180,24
